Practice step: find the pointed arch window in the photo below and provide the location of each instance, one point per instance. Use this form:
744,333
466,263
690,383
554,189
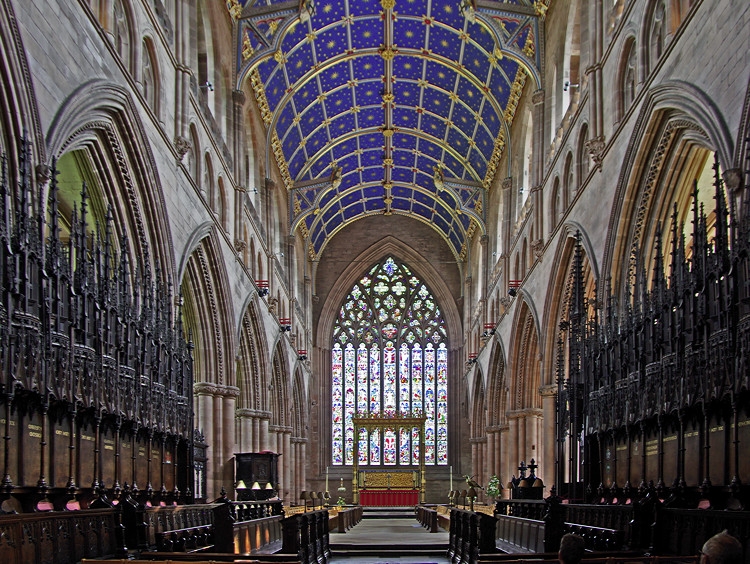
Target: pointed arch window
389,356
122,32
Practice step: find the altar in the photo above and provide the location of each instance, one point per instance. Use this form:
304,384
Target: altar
389,486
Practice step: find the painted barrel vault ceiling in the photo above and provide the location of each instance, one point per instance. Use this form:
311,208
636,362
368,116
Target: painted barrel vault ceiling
387,107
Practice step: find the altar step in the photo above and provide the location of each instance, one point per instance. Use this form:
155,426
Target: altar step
388,513
390,553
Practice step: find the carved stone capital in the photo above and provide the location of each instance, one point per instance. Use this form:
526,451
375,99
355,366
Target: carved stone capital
213,389
43,173
537,97
505,301
507,183
537,247
484,239
238,97
549,391
182,146
240,245
734,180
596,150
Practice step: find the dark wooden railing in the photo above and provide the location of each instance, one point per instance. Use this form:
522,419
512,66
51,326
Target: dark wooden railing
244,527
60,537
471,534
345,519
306,535
179,528
427,517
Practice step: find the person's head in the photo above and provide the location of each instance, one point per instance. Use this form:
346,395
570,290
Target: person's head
722,548
572,549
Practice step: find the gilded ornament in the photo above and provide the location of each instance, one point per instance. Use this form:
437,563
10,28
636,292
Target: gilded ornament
235,9
388,4
388,53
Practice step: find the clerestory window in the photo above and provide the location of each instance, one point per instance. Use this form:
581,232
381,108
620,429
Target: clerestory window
389,356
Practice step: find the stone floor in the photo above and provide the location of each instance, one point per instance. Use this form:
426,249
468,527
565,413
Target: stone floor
399,540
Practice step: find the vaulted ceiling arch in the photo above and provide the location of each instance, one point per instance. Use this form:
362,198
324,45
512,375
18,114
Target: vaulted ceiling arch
373,107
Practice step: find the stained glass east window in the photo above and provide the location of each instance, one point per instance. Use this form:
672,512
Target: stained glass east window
389,356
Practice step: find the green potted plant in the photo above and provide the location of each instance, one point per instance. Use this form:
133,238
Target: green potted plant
493,488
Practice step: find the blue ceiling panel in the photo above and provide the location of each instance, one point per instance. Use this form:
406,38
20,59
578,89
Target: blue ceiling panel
366,67
404,141
484,142
368,94
374,204
401,191
351,198
408,31
373,191
433,126
405,66
401,204
423,198
405,117
440,76
276,89
303,62
422,210
403,175
470,94
441,224
443,42
333,76
367,33
463,119
457,141
454,239
436,101
354,210
331,212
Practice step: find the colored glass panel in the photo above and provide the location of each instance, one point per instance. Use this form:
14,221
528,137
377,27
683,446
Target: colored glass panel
337,445
389,447
404,449
349,401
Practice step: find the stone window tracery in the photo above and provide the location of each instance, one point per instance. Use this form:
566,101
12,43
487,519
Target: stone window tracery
122,32
389,356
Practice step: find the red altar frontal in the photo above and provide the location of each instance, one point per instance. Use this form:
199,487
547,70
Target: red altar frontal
388,498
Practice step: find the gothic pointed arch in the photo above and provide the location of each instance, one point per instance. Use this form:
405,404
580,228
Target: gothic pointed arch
389,245
525,362
676,130
100,120
19,114
251,366
497,386
280,396
559,291
207,310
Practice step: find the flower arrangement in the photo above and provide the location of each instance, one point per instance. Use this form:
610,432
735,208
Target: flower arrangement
341,501
493,487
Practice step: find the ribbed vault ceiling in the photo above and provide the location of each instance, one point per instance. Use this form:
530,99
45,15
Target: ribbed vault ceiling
387,107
